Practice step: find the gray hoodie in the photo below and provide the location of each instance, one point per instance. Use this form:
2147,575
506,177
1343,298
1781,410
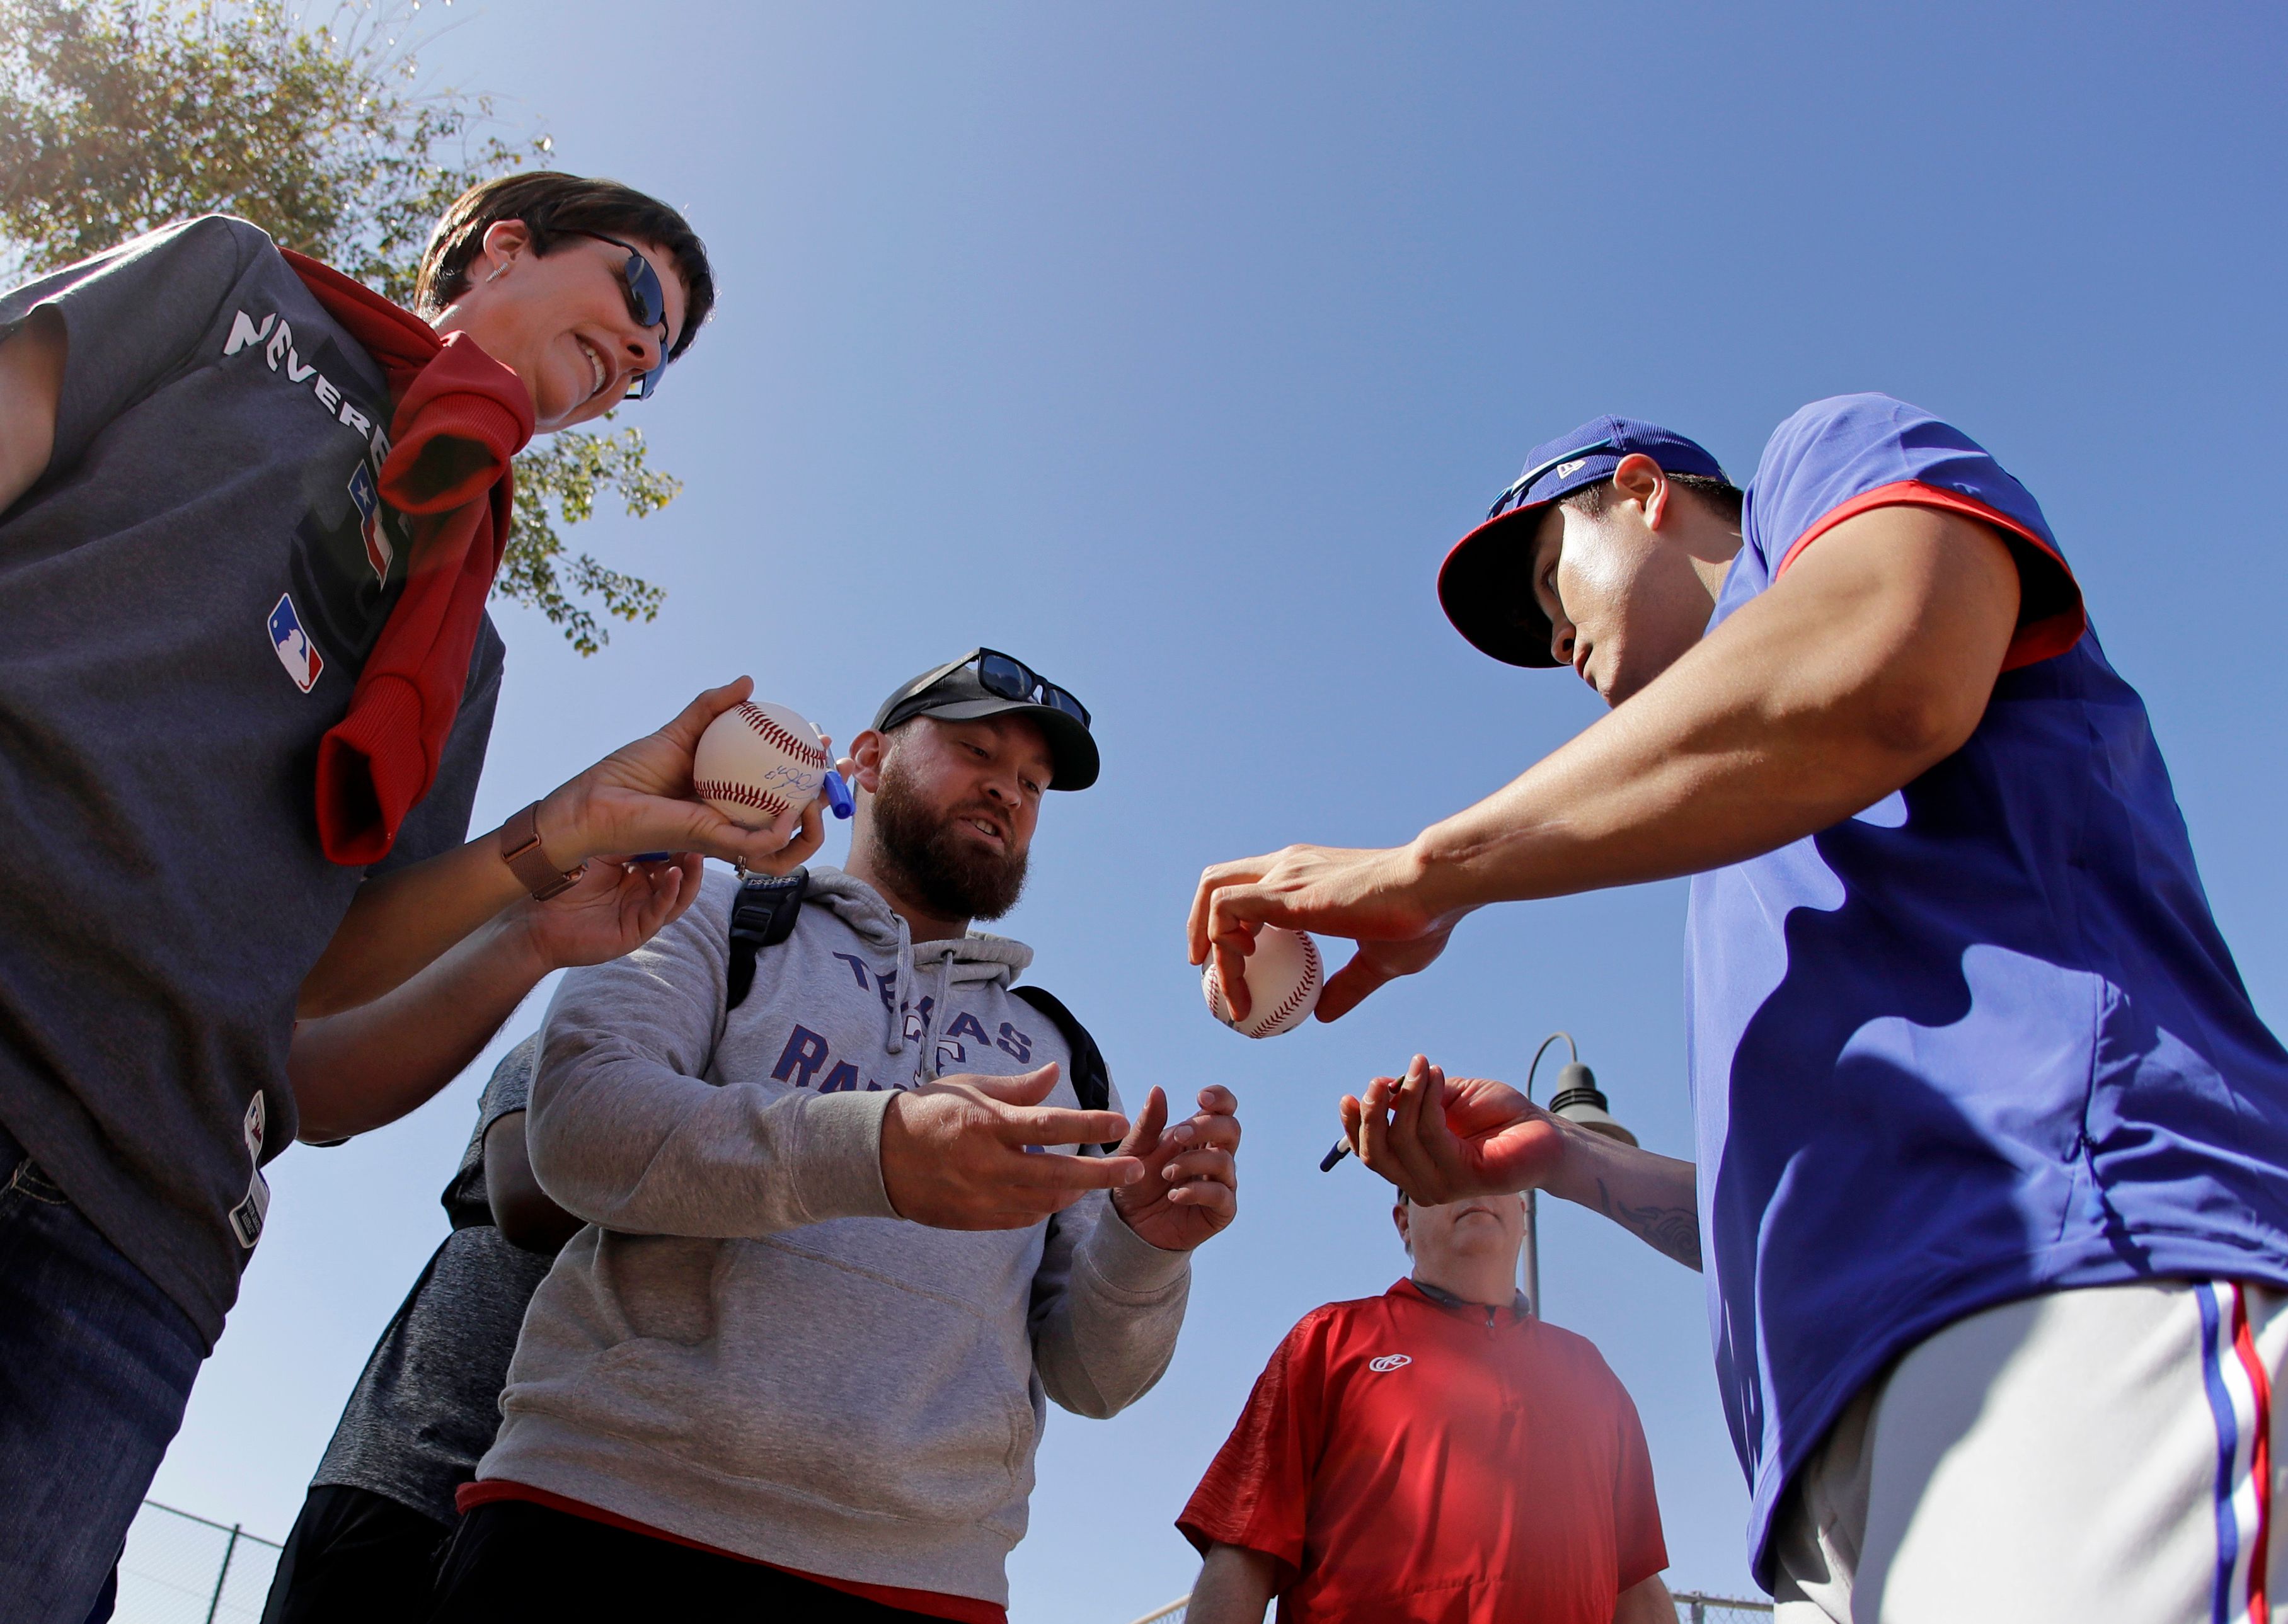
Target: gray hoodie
746,1347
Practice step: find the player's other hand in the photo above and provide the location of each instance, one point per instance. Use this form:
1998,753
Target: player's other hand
1372,897
1190,1187
1442,1139
613,909
954,1151
640,798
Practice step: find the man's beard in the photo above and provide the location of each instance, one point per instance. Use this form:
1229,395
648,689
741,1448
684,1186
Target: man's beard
929,860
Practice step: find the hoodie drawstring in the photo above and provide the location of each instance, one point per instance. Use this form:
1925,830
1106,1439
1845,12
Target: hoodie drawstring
896,1005
907,978
945,991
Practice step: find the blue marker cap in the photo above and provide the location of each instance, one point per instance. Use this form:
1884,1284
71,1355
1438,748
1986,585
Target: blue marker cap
837,795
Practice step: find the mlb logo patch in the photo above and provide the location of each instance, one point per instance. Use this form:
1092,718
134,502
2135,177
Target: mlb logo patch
295,651
378,549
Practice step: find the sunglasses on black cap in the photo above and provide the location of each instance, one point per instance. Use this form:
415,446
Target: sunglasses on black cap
647,303
1003,676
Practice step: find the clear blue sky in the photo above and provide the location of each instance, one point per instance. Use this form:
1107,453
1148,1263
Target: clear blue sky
1169,347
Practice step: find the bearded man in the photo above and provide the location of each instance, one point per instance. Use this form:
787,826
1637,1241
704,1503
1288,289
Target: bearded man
795,1366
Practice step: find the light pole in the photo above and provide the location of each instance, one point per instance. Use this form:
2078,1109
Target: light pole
1578,1100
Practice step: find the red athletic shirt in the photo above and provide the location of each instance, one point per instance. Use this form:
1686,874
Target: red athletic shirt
1414,1463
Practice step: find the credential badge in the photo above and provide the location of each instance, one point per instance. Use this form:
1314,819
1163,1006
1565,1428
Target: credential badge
246,1218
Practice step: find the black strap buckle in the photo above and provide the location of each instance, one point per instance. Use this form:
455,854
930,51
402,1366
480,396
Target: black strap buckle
762,915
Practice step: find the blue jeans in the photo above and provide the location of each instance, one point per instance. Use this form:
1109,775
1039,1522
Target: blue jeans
96,1365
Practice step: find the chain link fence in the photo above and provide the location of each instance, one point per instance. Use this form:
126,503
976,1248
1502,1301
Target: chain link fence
180,1569
1692,1607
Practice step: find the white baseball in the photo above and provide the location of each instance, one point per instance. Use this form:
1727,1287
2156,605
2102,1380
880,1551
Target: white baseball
760,765
1283,978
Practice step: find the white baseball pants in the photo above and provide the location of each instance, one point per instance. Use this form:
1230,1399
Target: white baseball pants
2100,1456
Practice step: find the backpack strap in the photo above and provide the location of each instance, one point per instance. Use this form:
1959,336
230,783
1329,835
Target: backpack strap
762,915
1091,1078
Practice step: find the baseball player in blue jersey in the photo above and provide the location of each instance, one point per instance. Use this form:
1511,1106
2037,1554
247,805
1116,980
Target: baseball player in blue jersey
1989,1184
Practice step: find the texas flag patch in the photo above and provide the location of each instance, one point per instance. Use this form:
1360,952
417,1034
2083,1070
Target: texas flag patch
295,651
378,549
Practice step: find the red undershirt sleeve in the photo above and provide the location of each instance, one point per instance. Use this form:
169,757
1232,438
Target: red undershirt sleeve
2051,616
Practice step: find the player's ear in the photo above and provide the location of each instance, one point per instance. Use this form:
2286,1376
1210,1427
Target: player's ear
1398,1217
1641,480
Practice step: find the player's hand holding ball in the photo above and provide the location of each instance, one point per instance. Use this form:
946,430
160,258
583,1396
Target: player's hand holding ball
643,797
1375,897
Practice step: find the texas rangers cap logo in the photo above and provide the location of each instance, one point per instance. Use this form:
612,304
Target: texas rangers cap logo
300,656
378,549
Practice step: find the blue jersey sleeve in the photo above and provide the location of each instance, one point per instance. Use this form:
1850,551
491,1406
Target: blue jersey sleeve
1840,457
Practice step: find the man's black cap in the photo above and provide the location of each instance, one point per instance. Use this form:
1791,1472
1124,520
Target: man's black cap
984,682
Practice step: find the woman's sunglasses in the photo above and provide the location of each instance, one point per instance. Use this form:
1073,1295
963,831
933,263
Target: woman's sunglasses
647,303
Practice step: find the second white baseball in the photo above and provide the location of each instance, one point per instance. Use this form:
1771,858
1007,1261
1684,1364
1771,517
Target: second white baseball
760,765
1283,978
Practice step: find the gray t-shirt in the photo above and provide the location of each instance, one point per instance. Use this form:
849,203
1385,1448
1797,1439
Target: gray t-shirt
429,1401
186,600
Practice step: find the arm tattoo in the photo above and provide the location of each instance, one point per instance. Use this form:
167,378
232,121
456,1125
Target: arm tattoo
1673,1232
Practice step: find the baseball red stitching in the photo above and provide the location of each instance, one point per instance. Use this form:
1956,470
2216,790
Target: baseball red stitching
771,732
741,794
1294,999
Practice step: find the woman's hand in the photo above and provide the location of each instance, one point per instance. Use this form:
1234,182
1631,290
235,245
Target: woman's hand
640,798
615,907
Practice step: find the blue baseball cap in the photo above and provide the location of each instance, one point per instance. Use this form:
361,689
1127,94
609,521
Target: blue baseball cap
1482,586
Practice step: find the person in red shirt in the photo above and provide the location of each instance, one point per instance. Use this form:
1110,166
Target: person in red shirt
1434,1455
